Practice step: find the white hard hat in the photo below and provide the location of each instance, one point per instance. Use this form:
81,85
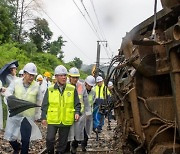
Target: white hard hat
99,79
30,68
21,72
74,72
110,84
39,77
12,66
53,77
60,70
90,80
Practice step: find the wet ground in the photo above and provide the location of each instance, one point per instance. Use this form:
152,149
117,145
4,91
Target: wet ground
107,142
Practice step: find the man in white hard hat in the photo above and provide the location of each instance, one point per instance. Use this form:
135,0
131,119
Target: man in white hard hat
54,79
21,127
89,84
60,108
77,129
21,73
12,75
110,85
98,120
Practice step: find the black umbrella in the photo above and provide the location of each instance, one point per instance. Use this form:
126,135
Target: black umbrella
4,71
16,105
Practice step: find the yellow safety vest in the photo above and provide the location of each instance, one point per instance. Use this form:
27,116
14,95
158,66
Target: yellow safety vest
91,101
29,95
61,107
102,95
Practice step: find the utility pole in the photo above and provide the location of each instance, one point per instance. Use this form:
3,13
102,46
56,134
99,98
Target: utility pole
98,57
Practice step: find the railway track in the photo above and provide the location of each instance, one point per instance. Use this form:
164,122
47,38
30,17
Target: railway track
102,146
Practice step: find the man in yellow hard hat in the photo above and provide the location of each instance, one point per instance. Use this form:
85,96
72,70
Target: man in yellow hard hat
46,80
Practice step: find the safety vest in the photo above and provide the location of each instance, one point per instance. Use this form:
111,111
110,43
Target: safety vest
79,88
30,94
101,93
61,106
90,99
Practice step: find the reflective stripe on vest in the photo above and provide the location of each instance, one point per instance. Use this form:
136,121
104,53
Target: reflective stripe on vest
101,91
90,99
61,107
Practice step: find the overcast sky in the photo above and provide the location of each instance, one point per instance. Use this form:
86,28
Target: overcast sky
115,18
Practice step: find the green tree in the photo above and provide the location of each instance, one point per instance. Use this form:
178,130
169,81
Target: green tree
56,48
77,62
23,14
6,23
29,47
40,34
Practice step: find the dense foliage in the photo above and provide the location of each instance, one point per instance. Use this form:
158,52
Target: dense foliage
43,61
27,38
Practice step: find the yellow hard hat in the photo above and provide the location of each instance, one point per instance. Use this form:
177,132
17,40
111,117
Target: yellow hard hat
47,74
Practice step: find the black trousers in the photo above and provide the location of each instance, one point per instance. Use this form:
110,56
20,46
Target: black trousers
25,131
63,132
84,142
74,143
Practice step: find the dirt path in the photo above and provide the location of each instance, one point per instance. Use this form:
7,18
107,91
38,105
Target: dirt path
102,146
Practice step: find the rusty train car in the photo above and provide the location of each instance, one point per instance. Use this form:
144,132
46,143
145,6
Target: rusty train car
146,81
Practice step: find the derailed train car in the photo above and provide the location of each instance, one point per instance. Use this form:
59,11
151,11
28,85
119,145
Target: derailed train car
147,83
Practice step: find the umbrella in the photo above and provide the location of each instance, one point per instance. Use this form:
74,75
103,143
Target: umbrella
16,105
4,71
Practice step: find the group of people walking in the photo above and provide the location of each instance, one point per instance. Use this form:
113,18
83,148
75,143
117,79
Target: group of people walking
67,108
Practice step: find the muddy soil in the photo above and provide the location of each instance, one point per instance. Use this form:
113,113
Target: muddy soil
109,142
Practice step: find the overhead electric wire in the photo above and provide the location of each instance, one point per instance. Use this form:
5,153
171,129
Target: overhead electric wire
28,4
84,17
62,30
94,27
100,27
90,19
